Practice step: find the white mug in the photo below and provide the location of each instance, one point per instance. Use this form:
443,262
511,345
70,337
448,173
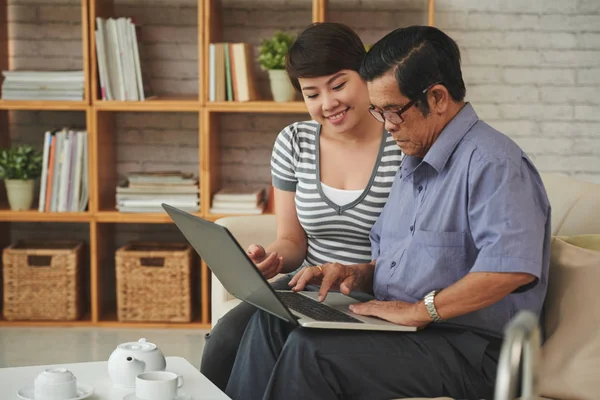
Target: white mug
157,385
55,384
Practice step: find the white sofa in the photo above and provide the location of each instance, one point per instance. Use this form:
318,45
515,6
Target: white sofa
575,211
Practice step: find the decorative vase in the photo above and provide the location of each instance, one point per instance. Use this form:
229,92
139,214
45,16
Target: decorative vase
20,193
281,87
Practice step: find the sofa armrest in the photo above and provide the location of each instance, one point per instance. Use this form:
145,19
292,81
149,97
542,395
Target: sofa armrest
247,230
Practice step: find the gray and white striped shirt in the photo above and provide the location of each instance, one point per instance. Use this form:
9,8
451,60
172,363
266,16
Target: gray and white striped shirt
335,233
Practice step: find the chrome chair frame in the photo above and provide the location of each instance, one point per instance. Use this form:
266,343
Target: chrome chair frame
522,342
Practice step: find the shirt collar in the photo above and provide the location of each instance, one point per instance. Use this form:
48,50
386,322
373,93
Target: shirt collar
450,136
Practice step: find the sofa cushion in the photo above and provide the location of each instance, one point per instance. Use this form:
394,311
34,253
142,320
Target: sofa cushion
571,353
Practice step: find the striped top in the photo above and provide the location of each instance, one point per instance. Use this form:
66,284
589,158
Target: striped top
335,233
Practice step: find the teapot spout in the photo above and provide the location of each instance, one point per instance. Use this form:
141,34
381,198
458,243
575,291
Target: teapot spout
135,366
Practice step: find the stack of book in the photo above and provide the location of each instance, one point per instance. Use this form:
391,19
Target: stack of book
43,85
64,180
119,65
232,200
231,72
144,192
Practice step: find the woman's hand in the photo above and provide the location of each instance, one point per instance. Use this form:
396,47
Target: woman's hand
268,264
330,276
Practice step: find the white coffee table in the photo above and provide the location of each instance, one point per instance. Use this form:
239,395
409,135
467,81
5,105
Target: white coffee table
96,374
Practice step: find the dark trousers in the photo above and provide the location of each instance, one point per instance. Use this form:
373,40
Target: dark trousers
222,343
279,361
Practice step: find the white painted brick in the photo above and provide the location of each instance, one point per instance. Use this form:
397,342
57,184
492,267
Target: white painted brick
589,40
533,145
502,57
472,39
587,146
589,6
567,163
451,20
570,129
499,22
392,5
574,95
538,75
570,23
537,112
502,93
531,6
588,76
514,128
487,111
540,40
477,74
587,113
571,58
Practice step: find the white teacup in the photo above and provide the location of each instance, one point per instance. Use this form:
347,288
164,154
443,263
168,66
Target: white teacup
55,384
157,385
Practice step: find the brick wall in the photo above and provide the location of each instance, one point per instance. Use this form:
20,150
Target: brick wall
532,70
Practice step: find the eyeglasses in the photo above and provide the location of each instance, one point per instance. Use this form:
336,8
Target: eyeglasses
395,116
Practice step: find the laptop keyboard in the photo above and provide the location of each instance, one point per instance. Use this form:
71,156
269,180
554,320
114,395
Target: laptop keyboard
313,309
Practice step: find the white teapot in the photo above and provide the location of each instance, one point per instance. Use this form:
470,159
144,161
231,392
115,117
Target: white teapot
130,359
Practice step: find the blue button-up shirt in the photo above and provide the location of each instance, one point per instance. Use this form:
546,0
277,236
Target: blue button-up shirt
475,203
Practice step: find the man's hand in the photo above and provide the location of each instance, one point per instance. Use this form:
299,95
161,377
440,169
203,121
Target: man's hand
398,312
329,276
268,264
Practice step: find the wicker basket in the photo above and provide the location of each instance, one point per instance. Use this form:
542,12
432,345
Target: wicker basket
154,282
42,280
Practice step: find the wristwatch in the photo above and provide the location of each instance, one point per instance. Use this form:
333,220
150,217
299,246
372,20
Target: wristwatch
429,303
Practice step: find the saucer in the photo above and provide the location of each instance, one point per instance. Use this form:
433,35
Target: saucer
83,391
180,396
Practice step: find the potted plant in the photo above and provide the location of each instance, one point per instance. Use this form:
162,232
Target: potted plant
271,58
19,167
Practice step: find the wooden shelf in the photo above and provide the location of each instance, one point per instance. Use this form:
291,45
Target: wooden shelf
110,320
257,106
43,105
84,321
160,103
133,218
36,216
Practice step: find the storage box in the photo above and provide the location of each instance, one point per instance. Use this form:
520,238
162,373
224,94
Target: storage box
42,280
154,282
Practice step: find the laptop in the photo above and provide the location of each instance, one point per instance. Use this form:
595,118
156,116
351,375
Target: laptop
240,277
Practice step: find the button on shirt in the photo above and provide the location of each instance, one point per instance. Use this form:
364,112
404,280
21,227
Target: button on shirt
475,203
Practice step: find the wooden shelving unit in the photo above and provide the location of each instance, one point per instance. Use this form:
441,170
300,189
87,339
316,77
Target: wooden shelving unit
100,120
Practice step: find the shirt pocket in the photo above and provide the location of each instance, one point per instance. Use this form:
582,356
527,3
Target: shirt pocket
434,260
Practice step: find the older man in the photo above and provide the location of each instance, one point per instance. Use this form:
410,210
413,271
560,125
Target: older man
461,246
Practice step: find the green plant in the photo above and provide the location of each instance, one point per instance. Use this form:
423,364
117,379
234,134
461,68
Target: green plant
272,51
22,162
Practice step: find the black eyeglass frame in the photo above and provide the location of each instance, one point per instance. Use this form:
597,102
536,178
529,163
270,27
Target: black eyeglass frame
391,115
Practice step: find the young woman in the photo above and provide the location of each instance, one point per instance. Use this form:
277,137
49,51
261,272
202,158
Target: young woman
331,177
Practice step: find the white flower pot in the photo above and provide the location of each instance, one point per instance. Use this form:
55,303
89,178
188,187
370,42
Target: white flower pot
281,87
20,193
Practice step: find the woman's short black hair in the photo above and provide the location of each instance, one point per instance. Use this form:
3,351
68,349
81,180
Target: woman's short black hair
322,49
421,56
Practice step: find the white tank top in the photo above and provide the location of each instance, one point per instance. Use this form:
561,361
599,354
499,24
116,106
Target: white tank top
339,196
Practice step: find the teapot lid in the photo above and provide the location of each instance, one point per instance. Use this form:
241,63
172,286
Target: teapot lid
140,345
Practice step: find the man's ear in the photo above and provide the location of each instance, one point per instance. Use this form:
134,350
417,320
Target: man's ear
439,99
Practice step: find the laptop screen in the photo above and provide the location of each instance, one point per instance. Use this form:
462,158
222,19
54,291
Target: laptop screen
229,262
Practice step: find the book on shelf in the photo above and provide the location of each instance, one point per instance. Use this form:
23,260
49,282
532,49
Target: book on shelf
43,85
64,180
120,70
238,200
231,72
144,192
